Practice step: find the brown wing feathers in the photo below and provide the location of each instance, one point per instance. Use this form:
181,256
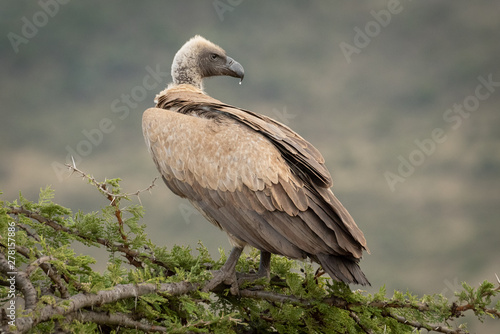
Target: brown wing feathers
301,155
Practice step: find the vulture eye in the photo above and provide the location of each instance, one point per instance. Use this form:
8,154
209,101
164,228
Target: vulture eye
214,56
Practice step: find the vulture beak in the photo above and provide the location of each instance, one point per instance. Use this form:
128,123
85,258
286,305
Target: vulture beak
234,69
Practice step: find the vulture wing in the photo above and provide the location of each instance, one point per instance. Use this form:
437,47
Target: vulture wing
253,177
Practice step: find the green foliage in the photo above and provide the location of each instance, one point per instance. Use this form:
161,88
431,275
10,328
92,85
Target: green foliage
296,300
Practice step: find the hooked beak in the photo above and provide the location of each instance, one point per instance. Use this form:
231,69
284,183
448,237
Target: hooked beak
234,69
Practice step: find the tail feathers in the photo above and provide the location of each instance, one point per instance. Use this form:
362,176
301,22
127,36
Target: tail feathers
342,269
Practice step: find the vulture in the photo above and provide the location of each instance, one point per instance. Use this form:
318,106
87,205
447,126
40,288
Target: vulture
248,174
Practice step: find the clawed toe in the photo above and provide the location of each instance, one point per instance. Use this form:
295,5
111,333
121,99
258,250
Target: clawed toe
226,276
222,279
249,278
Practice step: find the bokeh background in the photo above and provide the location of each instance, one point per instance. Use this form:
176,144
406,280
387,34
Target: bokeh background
67,66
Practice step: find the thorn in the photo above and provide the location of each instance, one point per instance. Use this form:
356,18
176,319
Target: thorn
74,163
498,279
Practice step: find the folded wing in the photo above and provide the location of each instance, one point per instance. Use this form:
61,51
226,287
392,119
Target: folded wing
253,177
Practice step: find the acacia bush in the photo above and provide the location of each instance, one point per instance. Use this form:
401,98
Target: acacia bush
157,288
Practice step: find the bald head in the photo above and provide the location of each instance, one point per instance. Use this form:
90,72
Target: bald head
199,58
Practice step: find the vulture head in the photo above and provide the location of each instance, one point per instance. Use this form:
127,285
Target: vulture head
200,58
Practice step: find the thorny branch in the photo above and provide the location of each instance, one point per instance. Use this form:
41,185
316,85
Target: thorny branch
114,200
104,188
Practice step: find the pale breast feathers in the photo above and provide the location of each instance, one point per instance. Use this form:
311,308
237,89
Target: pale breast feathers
220,155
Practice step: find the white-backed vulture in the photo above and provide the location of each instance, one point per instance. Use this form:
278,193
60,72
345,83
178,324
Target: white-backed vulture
251,176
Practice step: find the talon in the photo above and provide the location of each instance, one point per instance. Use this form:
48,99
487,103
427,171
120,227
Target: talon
227,274
249,278
222,278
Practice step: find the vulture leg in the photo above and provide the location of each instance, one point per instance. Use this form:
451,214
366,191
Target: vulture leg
265,264
226,274
264,268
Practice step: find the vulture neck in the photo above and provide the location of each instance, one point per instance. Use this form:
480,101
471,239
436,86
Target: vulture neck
187,78
185,70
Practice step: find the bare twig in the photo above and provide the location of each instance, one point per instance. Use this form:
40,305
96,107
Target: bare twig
102,185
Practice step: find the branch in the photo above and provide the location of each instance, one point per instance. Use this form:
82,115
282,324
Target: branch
458,310
114,201
119,292
37,263
343,304
356,319
22,282
419,325
28,232
104,189
111,246
52,274
422,307
48,270
72,307
113,319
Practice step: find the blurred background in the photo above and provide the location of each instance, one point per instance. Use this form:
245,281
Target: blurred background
402,98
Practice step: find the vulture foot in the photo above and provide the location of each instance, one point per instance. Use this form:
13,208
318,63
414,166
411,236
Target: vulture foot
222,279
227,274
264,269
244,278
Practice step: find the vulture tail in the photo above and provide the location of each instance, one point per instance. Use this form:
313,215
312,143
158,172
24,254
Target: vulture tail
342,269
